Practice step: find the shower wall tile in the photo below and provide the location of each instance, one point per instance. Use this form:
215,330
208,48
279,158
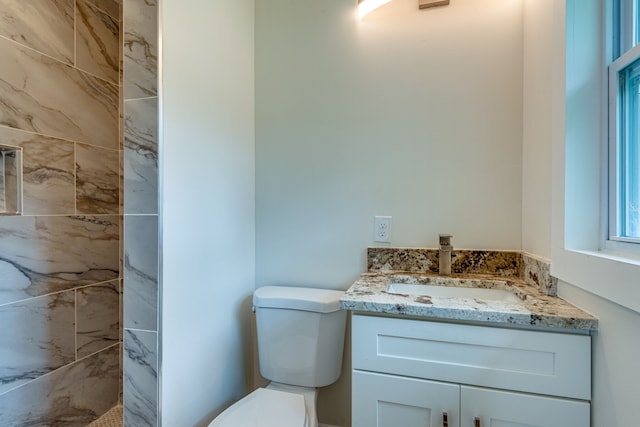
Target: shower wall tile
140,378
10,180
141,272
37,337
120,371
121,178
140,208
141,156
43,25
140,48
112,7
97,317
72,396
121,117
120,310
97,36
48,172
60,291
41,255
121,82
97,180
45,96
121,247
120,340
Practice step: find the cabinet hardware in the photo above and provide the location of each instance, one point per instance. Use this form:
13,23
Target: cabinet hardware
476,422
445,419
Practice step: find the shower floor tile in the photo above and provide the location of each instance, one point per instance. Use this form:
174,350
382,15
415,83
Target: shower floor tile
112,418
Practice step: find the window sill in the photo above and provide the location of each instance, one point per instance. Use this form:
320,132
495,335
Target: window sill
608,274
622,250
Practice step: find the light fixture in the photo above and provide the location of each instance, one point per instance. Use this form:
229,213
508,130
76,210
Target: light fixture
367,6
423,4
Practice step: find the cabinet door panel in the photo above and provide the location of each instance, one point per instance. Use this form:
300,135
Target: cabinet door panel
381,400
511,409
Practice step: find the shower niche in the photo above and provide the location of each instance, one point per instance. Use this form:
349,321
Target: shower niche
10,180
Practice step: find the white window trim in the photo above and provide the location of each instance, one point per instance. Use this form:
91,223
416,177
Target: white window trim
581,255
615,241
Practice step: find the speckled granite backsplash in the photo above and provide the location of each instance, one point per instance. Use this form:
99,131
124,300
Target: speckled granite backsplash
534,271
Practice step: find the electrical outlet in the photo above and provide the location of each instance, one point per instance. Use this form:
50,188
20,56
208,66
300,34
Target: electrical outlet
382,229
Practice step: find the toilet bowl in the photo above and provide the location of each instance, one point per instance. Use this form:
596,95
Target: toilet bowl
300,342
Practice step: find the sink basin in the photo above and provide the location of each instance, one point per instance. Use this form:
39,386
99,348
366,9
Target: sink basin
452,291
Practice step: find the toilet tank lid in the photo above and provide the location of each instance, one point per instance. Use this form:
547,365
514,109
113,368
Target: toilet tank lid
297,298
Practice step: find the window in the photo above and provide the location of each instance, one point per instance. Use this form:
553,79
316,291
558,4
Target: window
582,254
624,125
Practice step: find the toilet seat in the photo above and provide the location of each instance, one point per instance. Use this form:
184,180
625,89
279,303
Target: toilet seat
264,408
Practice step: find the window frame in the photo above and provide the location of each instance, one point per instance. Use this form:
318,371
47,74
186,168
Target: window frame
625,51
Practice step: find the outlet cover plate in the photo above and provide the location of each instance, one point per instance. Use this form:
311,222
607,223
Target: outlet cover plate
382,229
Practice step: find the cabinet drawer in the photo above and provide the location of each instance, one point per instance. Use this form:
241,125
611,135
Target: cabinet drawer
550,363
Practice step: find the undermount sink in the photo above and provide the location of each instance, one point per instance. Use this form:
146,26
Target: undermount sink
447,287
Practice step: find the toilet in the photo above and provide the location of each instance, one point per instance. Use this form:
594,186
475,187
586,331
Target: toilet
300,343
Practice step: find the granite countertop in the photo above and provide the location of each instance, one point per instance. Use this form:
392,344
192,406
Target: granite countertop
537,305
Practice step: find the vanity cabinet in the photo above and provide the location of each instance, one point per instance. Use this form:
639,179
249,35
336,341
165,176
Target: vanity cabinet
412,372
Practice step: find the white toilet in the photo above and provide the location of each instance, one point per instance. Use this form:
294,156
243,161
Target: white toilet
300,344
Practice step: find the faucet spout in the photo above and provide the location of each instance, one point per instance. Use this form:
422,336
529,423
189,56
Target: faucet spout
444,255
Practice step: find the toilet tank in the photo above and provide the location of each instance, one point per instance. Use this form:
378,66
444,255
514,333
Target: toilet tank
300,334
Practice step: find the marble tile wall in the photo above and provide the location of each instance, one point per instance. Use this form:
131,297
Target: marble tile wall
140,208
36,90
97,180
97,39
45,254
140,378
141,272
140,22
71,396
141,156
60,261
97,319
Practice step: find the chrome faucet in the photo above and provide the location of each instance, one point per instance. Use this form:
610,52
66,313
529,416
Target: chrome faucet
444,254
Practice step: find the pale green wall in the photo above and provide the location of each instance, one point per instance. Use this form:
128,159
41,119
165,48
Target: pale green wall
411,113
207,206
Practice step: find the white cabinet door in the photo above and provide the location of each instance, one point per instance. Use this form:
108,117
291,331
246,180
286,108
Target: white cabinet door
381,400
497,408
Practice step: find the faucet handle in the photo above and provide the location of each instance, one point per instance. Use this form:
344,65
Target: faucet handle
445,239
